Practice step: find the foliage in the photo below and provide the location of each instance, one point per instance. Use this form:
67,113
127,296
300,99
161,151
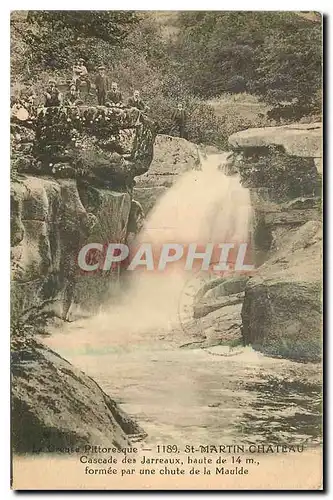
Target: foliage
26,325
289,66
52,35
274,55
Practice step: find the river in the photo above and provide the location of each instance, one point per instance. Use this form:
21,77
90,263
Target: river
193,395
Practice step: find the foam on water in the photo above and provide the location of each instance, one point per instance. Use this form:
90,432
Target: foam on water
203,206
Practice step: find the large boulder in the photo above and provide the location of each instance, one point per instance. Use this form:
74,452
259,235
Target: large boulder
303,140
282,310
55,406
107,145
215,312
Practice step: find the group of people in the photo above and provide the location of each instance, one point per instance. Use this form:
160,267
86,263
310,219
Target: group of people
108,94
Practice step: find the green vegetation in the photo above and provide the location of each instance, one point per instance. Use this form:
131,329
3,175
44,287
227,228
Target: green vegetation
204,59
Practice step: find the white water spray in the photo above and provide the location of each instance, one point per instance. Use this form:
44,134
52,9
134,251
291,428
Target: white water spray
203,206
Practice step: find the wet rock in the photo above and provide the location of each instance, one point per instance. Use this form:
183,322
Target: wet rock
292,217
223,326
217,310
222,287
136,218
218,293
296,211
55,405
111,209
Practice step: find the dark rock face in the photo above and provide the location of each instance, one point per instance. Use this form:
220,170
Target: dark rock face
106,145
271,220
218,293
57,406
51,220
83,162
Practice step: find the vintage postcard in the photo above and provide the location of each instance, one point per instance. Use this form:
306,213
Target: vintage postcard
166,250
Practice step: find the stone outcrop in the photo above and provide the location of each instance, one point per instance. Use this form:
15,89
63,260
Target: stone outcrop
218,293
282,310
217,312
282,168
271,220
56,406
72,179
173,156
108,146
304,140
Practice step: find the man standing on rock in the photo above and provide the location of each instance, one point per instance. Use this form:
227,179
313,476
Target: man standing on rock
114,96
179,117
102,85
80,73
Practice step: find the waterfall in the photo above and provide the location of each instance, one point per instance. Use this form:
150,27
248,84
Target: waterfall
203,206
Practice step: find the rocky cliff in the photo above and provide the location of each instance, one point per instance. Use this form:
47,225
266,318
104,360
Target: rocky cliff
73,171
72,183
281,313
51,220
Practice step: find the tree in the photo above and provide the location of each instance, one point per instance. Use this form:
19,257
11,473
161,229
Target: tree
290,66
274,55
56,37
